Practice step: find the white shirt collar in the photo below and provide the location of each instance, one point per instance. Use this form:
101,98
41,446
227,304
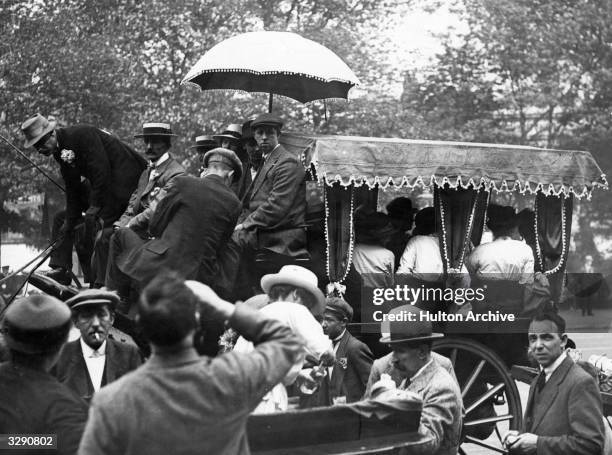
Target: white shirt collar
266,155
89,352
339,337
549,370
161,159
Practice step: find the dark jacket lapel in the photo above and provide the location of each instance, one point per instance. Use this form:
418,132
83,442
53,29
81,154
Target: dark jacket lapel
550,391
110,362
341,359
261,175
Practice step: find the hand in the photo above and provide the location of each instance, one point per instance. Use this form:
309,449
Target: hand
525,443
239,227
510,438
210,300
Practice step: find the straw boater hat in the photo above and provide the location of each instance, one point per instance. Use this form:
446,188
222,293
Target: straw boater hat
232,132
267,119
224,156
204,143
35,128
155,129
93,297
405,331
36,325
299,277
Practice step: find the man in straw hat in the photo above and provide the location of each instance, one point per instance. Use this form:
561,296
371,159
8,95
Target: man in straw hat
32,401
179,402
95,359
161,170
274,205
112,169
295,300
231,139
203,144
191,224
414,367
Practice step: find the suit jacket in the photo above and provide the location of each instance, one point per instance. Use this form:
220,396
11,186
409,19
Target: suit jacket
567,413
182,403
139,209
111,166
349,376
33,401
71,370
275,204
191,225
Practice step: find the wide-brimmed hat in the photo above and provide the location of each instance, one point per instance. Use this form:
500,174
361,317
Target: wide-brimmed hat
204,143
91,297
339,306
227,157
155,129
299,277
35,128
501,217
267,119
402,330
232,132
36,324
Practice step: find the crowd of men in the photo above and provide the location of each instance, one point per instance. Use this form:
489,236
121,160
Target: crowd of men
177,244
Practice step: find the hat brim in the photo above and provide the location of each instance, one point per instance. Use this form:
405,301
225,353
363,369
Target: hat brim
94,302
267,281
48,129
212,146
388,340
226,136
140,136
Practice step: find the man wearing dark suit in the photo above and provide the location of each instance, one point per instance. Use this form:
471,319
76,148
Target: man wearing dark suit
94,360
111,167
160,172
564,410
191,224
346,380
274,204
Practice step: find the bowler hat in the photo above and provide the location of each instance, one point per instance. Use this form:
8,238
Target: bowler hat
340,307
227,157
232,132
91,297
267,119
402,329
36,324
155,129
299,277
35,128
204,143
501,217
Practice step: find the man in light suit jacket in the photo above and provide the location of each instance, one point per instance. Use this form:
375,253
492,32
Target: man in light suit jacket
161,171
274,205
564,410
347,378
94,360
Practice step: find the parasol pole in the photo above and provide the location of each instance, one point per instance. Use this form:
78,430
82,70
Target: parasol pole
270,104
32,163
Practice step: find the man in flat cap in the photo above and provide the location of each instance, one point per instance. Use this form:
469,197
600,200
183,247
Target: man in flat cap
191,224
274,205
161,170
32,401
346,380
111,168
95,359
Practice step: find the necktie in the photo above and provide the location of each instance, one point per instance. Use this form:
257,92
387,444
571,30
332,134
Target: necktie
541,382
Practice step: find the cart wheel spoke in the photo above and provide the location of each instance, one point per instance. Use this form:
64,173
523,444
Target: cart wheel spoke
472,378
487,396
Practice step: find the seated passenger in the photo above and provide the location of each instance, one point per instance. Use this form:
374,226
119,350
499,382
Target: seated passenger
371,258
422,258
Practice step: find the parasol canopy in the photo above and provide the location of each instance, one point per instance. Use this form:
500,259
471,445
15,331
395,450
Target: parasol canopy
402,162
280,63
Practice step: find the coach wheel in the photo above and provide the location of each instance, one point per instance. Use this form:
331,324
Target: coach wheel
490,396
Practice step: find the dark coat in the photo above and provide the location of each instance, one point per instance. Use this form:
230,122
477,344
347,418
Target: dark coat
139,205
349,374
71,370
275,204
111,166
35,402
567,414
191,225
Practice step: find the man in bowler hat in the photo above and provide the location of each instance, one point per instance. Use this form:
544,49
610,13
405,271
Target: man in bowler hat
414,367
111,168
95,359
32,401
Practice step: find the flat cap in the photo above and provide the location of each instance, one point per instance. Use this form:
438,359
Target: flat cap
226,157
339,306
268,119
93,297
